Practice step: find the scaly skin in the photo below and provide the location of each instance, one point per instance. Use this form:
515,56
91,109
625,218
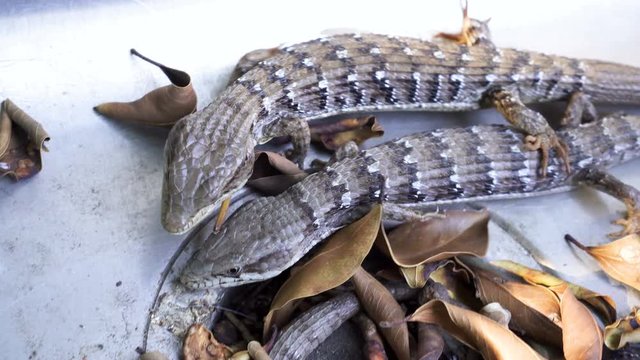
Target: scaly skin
268,235
209,153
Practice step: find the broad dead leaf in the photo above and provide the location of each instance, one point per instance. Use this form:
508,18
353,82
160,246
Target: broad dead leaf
274,173
335,263
457,233
604,304
200,344
623,331
381,306
163,106
581,335
620,259
21,142
484,335
533,308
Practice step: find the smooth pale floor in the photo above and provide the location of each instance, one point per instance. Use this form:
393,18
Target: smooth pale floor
90,220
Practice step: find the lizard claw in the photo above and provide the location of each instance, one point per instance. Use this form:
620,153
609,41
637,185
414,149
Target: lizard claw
544,142
630,224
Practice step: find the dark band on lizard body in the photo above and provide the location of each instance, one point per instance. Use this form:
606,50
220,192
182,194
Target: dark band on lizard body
445,166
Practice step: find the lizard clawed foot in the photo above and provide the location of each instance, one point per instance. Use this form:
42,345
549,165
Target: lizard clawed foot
545,142
473,31
630,224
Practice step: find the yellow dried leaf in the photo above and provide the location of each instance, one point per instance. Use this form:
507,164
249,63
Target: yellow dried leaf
620,259
623,331
334,264
479,332
604,304
534,309
581,335
199,344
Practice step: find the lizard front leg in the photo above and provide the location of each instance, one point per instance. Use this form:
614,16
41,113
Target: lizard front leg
579,109
298,131
603,181
540,136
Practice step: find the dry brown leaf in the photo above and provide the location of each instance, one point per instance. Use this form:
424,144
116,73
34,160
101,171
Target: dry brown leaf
457,233
256,351
381,306
530,305
200,344
604,304
274,173
334,263
581,335
23,154
334,135
623,331
486,336
620,259
163,106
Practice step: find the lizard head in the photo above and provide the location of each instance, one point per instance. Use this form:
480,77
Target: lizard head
244,251
203,166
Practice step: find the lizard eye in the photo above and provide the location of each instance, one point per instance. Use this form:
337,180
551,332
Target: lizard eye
234,271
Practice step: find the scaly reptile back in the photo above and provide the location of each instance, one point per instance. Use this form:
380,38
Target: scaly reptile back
269,234
357,73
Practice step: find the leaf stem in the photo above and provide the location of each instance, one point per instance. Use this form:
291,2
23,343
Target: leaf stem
136,53
575,242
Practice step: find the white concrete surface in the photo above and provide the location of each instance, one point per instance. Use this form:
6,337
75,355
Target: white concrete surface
90,220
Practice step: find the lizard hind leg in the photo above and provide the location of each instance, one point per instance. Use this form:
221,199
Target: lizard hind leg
539,134
603,181
579,109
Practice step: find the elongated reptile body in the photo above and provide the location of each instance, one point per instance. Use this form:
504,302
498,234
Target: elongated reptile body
445,166
209,154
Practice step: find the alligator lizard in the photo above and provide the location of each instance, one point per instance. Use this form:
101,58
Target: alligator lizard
209,154
268,235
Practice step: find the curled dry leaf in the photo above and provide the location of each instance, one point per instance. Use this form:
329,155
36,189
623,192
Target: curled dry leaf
334,135
581,335
620,259
604,304
533,308
334,263
200,344
623,331
381,306
274,173
21,156
484,335
418,242
163,106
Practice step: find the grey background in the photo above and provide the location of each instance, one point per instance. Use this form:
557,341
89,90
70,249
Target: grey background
91,218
